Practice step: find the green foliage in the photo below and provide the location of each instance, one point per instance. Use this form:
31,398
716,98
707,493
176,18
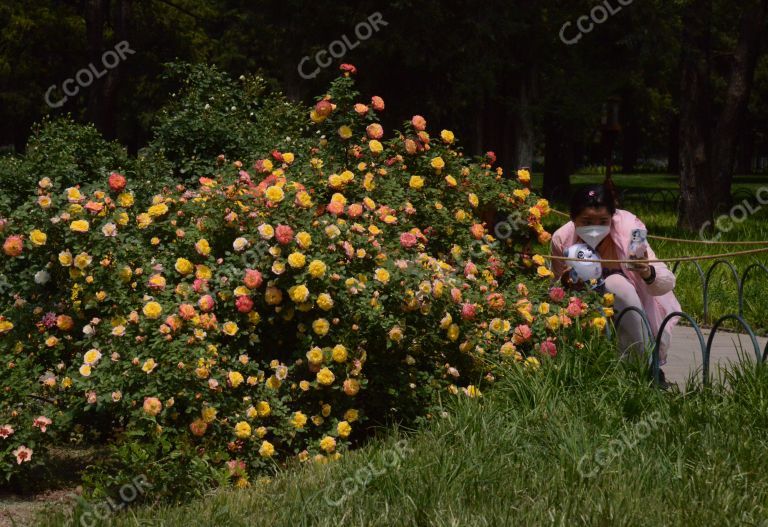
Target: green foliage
213,115
271,313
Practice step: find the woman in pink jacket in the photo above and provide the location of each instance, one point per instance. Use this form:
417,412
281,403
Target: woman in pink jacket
596,221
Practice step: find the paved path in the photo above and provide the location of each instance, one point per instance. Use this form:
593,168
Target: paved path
684,357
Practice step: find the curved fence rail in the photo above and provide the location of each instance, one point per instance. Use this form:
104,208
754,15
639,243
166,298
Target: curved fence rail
739,279
705,347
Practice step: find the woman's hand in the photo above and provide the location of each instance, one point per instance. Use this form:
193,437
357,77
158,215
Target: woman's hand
643,269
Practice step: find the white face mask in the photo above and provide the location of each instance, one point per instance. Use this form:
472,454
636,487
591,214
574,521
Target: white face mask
593,234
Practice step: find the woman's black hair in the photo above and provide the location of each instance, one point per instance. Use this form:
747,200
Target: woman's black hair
593,196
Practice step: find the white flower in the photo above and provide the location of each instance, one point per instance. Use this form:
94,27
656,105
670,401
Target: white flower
110,230
89,330
42,277
239,244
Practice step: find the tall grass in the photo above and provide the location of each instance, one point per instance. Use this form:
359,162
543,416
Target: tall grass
529,452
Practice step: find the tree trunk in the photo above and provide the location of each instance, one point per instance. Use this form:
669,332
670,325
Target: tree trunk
630,145
731,118
696,196
102,94
522,123
558,162
673,144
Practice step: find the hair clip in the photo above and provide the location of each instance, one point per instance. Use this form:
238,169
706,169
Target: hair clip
592,193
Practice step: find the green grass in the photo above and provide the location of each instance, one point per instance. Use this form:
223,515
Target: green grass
527,453
661,219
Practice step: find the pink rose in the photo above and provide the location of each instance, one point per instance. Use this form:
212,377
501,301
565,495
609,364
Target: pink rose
548,348
187,311
377,103
354,210
206,303
557,294
419,123
335,208
244,304
283,234
116,182
408,240
521,334
253,279
455,295
200,285
374,131
468,311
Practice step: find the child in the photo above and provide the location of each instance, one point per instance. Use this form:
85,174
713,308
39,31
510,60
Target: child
609,231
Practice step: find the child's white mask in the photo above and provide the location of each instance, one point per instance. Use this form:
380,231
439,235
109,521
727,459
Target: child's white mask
593,234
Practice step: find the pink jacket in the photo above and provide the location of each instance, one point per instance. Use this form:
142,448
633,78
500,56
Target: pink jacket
657,298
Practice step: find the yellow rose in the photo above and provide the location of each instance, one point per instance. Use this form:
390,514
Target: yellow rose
266,449
143,220
396,334
345,132
343,429
416,182
297,260
447,136
324,301
299,420
544,272
65,258
339,353
209,414
229,328
317,268
125,199
437,163
83,260
328,444
152,310
321,327
38,237
473,199
202,247
158,210
304,239
375,146
275,194
184,266
243,430
382,275
288,158
79,226
235,378
304,199
298,293
524,176
553,322
315,356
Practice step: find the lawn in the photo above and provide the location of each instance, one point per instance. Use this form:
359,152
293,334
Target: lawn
583,441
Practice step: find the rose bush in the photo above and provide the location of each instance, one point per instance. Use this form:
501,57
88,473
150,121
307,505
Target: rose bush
266,313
